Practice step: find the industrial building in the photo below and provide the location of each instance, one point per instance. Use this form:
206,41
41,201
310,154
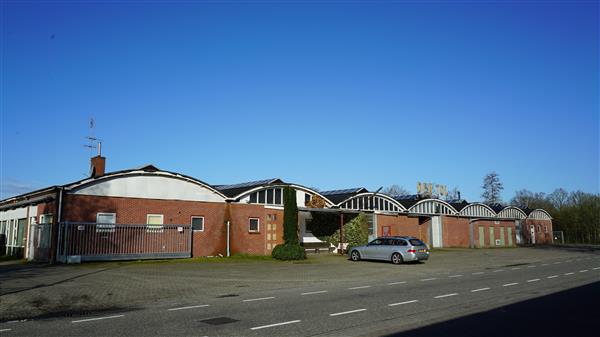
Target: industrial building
150,213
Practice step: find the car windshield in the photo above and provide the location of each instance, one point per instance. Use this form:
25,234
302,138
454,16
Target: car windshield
416,242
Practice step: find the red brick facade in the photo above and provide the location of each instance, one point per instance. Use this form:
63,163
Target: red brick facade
541,228
402,225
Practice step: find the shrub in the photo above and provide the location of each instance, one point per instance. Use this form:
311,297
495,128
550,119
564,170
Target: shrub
290,216
288,252
355,232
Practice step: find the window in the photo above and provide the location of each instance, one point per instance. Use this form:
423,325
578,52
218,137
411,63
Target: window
198,223
306,198
273,217
253,225
416,242
386,230
46,218
376,242
545,229
154,223
253,198
2,227
278,196
539,228
270,196
105,222
261,197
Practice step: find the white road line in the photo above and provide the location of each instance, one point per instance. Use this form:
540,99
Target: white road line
498,270
596,268
553,276
189,307
401,303
531,266
428,279
568,274
361,287
97,318
510,284
3,330
314,292
516,268
478,273
276,324
347,312
583,271
452,276
392,283
446,295
480,289
258,299
533,280
545,264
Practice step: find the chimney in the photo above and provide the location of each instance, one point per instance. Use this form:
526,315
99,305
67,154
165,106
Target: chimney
97,167
98,164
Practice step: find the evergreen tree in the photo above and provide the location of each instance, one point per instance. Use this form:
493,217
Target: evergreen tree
290,216
492,187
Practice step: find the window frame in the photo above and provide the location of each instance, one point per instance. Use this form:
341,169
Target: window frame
155,228
192,222
250,230
106,227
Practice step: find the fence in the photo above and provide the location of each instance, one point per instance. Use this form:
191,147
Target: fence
97,242
39,242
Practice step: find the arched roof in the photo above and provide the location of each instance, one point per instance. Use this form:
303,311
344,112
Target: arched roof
432,206
539,214
479,210
281,184
512,212
370,197
147,171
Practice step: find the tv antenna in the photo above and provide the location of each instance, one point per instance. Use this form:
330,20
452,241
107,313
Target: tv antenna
93,142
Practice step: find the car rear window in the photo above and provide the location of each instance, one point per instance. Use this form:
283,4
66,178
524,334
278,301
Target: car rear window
416,242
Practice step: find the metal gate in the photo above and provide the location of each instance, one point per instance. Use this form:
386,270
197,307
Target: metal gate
98,242
39,244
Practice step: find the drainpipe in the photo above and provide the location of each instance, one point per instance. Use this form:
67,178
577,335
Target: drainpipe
228,238
56,228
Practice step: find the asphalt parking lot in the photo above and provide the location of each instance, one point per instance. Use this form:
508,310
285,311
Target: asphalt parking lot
76,293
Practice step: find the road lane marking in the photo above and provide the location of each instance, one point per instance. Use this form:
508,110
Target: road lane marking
515,268
275,324
583,271
531,266
97,318
361,287
478,273
347,312
314,292
596,268
545,264
480,289
401,303
498,270
392,283
452,276
3,330
446,295
553,276
188,307
258,299
428,279
568,274
510,284
533,280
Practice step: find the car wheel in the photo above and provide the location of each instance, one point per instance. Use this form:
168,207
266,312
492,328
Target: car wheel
396,258
355,255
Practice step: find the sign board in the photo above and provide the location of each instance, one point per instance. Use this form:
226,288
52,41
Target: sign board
430,189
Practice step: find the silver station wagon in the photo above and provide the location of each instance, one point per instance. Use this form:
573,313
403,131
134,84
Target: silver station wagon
397,249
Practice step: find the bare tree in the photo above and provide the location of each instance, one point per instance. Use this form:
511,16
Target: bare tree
492,187
453,194
395,190
559,198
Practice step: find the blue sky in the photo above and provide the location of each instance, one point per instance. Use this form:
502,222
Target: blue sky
324,94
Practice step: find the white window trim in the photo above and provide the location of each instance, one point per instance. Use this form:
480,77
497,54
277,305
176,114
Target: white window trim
44,216
105,227
155,228
258,227
197,217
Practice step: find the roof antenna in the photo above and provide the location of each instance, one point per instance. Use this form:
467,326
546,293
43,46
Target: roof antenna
93,142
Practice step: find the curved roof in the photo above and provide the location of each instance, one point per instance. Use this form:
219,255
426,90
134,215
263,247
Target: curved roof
432,206
479,210
148,170
280,183
539,214
386,197
237,189
512,212
337,196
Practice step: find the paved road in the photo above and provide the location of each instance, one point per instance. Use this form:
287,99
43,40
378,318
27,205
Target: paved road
372,305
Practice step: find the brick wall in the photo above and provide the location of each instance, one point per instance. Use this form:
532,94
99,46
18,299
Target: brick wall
402,225
543,231
497,228
455,231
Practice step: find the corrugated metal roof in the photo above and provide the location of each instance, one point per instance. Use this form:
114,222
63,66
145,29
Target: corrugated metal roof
237,189
337,196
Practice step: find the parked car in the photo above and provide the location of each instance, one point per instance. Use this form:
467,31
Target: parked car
397,249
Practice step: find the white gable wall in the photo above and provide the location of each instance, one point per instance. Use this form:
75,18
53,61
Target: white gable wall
151,187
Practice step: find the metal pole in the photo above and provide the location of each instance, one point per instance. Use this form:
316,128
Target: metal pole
228,239
341,233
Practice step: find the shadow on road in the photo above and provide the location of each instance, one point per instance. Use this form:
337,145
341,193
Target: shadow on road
573,312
